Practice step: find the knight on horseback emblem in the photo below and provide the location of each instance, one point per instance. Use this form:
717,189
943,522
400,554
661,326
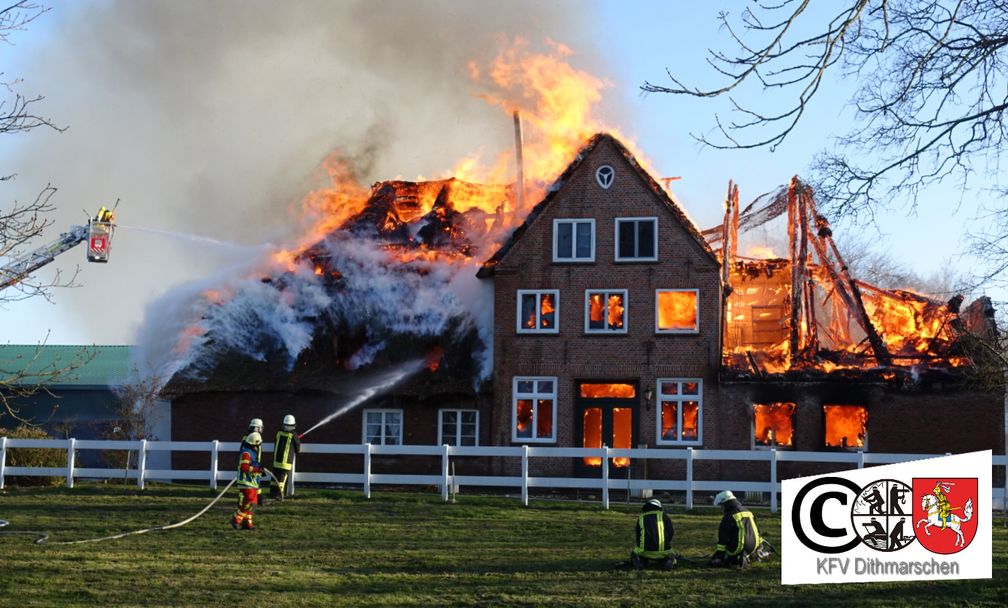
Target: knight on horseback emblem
945,504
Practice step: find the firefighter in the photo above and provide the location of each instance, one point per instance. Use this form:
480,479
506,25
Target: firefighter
287,444
739,540
256,426
249,476
653,537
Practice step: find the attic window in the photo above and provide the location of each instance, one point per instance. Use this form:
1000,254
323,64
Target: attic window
574,240
636,239
605,175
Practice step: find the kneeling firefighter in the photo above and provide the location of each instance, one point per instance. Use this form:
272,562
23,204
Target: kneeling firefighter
249,476
287,444
653,534
739,540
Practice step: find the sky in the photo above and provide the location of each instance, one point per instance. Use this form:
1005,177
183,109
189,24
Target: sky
208,122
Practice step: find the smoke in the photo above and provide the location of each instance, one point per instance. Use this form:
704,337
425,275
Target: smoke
206,119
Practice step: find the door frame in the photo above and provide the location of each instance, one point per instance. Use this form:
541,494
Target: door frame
607,404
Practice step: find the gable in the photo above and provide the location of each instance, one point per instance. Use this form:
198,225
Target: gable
580,172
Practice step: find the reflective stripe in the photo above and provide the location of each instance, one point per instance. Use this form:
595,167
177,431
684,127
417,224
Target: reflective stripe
641,549
247,479
740,519
282,450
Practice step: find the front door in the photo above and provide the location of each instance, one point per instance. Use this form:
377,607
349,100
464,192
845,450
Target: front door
606,414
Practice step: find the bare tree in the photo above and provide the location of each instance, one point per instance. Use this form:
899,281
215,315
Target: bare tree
21,226
929,98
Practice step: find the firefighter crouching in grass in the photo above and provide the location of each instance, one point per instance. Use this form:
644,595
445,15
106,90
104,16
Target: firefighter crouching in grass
249,476
653,534
256,426
739,540
287,444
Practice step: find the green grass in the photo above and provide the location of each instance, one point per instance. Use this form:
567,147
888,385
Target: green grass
336,548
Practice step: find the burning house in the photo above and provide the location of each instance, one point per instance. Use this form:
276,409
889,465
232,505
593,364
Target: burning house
612,320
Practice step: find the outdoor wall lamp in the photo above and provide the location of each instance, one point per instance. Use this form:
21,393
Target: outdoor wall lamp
648,396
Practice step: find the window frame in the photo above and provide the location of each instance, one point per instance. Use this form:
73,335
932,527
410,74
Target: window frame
695,331
520,327
679,398
458,425
535,396
383,412
616,239
556,240
587,312
775,445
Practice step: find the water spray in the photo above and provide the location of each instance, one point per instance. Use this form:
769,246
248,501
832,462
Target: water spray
383,383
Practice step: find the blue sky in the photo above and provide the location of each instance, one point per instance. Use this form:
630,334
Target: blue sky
208,119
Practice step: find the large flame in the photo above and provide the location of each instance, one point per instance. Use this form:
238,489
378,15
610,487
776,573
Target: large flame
846,425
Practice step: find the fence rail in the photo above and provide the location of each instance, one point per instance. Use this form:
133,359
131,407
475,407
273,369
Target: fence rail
447,481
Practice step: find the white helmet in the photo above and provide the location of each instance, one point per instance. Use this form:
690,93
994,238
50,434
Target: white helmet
653,504
256,423
723,497
289,420
253,438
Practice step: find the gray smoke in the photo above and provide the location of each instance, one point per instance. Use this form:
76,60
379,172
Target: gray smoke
208,119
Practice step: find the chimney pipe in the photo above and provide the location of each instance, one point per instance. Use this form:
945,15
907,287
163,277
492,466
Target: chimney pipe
519,161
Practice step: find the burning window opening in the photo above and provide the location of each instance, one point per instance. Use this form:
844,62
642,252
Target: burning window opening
537,311
534,409
846,425
679,419
807,313
773,424
606,311
592,430
677,310
622,434
592,434
600,391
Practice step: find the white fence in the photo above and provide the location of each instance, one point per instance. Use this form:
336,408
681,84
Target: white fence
446,480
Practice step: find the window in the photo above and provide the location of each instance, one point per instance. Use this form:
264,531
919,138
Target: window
677,311
458,427
574,240
605,311
680,404
773,424
636,239
605,175
846,426
383,427
537,311
534,409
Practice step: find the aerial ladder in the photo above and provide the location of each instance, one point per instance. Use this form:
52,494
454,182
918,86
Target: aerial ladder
98,234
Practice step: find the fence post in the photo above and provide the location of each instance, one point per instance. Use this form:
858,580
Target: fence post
71,443
289,486
524,471
141,463
444,472
773,480
367,470
3,459
860,459
214,448
689,478
605,476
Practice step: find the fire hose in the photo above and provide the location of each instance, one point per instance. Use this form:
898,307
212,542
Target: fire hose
43,536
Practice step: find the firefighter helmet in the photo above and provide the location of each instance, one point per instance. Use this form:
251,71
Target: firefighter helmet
652,505
723,497
289,420
253,439
256,423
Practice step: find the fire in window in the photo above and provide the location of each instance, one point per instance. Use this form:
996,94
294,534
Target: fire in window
773,424
680,403
612,391
677,310
593,423
537,311
846,425
533,408
606,311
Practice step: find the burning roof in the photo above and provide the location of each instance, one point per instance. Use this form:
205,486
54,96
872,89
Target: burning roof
805,316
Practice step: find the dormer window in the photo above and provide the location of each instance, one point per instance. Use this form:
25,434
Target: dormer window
637,239
574,240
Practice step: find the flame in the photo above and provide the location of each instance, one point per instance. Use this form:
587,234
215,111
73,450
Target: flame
546,308
615,391
773,423
846,425
615,311
433,358
677,310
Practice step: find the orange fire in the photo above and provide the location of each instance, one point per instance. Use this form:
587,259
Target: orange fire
669,416
433,358
600,391
616,311
677,310
546,308
773,423
846,425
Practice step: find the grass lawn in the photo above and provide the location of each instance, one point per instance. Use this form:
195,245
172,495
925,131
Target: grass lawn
336,548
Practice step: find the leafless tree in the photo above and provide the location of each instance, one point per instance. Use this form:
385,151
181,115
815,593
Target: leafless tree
929,98
21,226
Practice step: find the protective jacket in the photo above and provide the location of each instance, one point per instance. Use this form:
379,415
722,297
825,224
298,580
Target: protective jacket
249,471
738,535
654,535
286,445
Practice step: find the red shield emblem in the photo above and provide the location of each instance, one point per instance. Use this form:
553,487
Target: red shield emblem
945,513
